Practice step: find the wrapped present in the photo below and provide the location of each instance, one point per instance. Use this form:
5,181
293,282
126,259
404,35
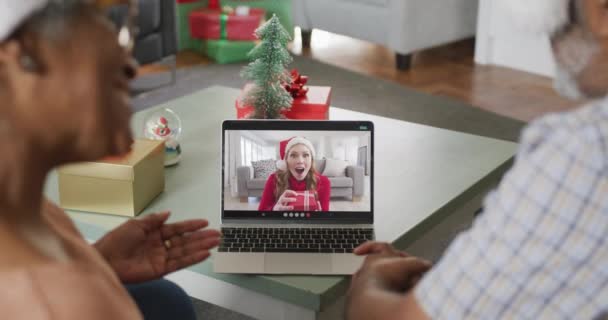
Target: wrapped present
225,51
217,24
305,201
119,185
310,103
184,7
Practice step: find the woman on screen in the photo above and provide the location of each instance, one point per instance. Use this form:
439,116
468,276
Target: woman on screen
296,181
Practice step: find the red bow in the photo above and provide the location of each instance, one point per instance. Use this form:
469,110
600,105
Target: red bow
297,87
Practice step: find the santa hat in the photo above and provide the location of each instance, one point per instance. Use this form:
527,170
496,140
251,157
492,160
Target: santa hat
537,16
14,12
286,145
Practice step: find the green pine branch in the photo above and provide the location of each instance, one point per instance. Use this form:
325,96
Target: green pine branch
268,71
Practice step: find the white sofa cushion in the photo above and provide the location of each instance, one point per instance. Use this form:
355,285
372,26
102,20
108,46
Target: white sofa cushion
335,168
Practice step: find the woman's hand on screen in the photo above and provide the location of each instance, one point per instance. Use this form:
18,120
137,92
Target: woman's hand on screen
285,199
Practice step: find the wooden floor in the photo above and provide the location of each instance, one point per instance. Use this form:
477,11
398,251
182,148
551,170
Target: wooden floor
447,71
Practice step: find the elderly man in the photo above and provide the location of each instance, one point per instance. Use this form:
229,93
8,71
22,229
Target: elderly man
540,249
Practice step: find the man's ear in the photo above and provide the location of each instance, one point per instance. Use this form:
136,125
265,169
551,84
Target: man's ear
596,14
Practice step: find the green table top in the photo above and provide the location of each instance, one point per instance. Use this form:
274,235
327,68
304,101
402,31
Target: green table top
436,168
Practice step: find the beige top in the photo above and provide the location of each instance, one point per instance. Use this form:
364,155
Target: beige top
84,288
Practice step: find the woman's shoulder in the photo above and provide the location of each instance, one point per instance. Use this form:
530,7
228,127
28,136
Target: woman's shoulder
38,292
323,179
272,177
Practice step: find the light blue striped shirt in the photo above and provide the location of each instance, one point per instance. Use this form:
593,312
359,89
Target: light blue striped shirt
540,249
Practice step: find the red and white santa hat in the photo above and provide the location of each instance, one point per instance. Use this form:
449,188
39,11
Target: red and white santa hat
286,145
536,16
14,12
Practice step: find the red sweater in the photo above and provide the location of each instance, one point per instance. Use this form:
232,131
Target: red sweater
268,200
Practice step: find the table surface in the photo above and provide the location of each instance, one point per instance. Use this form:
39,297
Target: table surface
419,172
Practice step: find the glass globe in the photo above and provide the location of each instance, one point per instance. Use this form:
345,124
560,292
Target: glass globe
165,124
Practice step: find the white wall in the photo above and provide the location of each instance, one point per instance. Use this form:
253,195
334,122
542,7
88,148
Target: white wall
500,41
232,158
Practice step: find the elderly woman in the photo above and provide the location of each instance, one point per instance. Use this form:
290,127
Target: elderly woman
64,72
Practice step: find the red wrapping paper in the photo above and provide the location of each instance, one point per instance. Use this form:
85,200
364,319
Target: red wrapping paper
305,201
313,106
205,24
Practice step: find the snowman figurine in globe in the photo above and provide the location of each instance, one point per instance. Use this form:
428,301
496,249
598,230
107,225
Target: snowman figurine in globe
164,124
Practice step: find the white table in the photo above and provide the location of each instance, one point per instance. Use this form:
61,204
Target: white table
424,176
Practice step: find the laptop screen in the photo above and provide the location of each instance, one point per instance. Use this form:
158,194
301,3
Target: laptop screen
297,170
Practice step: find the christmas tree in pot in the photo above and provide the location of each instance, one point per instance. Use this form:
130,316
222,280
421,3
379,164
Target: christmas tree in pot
268,72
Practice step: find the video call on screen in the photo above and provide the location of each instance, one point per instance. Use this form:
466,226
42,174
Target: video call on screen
328,171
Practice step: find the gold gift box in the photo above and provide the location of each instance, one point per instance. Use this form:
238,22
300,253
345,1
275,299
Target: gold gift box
123,186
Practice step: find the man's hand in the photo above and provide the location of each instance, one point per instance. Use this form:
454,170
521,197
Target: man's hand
147,249
379,288
388,267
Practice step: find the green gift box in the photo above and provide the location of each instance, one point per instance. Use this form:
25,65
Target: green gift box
184,39
226,51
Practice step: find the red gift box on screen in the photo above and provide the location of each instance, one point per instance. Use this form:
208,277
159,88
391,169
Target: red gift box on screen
215,25
313,106
305,201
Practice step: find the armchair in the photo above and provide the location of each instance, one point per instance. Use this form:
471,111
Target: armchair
157,38
404,26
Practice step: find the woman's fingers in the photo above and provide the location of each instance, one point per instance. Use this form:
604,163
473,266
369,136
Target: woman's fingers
287,200
191,248
178,228
154,221
179,240
290,193
201,234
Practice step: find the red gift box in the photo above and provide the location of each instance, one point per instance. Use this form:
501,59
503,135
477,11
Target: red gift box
313,106
213,24
305,201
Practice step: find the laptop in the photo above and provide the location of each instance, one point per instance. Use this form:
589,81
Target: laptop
327,178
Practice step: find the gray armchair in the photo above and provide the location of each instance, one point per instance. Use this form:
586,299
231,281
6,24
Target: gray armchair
156,38
351,186
405,26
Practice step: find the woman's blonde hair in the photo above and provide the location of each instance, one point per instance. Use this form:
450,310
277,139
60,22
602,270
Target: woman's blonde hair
283,179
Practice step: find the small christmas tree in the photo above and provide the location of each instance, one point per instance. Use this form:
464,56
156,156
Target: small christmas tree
268,72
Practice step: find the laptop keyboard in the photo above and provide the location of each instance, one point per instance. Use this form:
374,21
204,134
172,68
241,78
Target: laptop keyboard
311,240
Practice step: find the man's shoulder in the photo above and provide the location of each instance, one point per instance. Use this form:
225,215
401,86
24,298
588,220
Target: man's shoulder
586,125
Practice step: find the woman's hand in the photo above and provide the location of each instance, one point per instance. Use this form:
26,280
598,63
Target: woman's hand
146,249
285,199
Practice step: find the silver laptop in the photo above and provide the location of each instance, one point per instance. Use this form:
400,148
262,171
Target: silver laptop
325,171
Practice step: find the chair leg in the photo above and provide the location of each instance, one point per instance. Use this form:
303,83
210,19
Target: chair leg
404,61
306,35
171,62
